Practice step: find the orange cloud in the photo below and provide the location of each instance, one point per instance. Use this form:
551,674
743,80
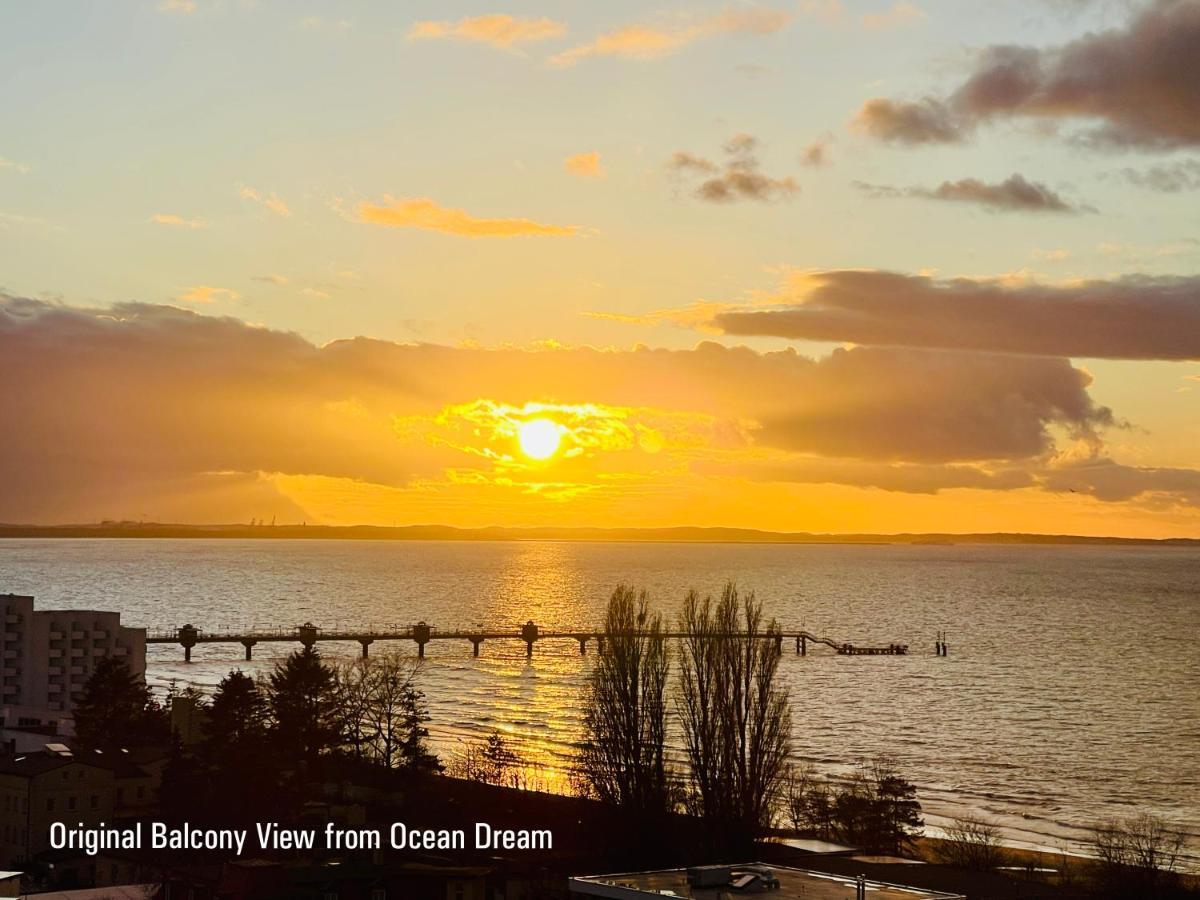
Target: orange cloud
585,165
271,201
653,41
174,221
203,293
501,31
421,212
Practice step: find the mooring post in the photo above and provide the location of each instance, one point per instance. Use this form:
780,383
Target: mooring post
366,642
248,643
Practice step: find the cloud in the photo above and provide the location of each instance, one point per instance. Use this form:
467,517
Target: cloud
177,6
174,221
1135,317
898,14
500,31
655,41
908,478
1171,178
424,213
19,168
203,293
1014,194
927,121
1112,482
141,404
1136,87
270,279
817,152
316,23
270,201
316,293
585,165
739,178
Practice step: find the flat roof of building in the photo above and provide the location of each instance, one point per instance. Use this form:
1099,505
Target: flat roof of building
794,884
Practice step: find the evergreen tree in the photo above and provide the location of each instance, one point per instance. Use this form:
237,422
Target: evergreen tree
237,716
414,752
116,709
304,705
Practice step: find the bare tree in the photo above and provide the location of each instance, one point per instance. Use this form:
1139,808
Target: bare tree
383,712
736,722
1136,856
491,761
972,843
622,757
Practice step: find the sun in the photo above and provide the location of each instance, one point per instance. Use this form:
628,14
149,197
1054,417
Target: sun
539,438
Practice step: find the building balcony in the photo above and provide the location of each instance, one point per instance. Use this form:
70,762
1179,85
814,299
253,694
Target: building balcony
99,634
12,619
12,654
54,670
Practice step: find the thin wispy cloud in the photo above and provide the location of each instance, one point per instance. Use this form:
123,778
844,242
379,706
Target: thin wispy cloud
653,41
173,221
270,279
204,293
177,6
497,30
584,165
1014,194
270,201
423,213
897,15
10,166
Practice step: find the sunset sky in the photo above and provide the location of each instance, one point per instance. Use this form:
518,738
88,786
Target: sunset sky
815,265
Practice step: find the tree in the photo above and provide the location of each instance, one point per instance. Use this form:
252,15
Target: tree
304,705
1136,857
972,843
878,810
736,722
491,761
810,803
622,756
237,716
116,709
383,713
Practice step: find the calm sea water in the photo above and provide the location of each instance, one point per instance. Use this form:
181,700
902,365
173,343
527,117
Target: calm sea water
1071,692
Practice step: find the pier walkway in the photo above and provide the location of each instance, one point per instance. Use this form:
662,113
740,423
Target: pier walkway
308,634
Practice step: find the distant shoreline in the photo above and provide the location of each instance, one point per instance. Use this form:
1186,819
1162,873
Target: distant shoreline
693,535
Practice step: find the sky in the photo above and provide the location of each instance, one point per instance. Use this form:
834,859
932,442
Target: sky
814,265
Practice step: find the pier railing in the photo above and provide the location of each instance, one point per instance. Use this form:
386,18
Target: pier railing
188,636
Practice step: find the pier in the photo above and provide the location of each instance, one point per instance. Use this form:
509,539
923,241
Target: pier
308,634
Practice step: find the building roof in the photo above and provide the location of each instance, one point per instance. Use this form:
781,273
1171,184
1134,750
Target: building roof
29,765
793,884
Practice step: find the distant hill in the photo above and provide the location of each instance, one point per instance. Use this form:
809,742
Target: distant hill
495,533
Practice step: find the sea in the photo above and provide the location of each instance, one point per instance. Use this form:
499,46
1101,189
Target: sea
1070,693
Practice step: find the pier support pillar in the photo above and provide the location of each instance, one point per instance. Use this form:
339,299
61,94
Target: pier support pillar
803,646
421,649
307,634
529,634
366,642
248,644
475,642
420,633
583,646
188,635
779,645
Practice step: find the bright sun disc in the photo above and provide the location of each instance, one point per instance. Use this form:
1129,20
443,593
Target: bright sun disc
538,438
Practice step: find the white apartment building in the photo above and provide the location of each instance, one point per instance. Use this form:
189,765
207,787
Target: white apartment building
46,657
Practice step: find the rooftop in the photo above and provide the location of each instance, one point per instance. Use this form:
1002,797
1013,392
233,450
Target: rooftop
725,882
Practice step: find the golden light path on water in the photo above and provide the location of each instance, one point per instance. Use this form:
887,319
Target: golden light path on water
1068,696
